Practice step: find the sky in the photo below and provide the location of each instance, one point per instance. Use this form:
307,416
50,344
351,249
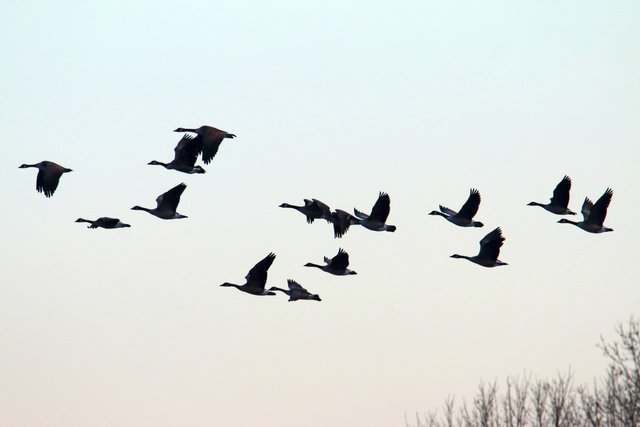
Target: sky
335,101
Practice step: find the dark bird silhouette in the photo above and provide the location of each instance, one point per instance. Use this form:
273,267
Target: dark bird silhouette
377,218
489,250
341,221
337,265
560,199
49,174
185,156
211,138
296,291
167,203
464,218
257,278
312,209
593,215
104,222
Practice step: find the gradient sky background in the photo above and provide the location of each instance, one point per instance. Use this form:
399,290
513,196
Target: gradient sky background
329,100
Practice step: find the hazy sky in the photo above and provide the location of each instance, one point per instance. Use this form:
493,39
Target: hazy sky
332,100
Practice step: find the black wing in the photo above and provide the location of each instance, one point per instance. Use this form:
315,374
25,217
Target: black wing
108,222
586,208
341,221
380,210
470,207
187,150
295,286
258,274
599,210
48,179
171,198
490,245
341,260
561,193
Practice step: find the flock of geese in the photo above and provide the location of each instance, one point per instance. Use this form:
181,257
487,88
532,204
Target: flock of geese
206,142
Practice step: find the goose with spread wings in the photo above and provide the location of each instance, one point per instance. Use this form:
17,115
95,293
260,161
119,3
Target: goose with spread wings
211,138
336,265
49,174
463,218
296,291
377,219
256,278
559,202
489,250
593,215
166,204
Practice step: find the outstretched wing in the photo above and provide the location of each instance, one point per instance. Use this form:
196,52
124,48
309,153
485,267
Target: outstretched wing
599,210
295,286
342,221
341,260
380,210
470,207
448,211
257,276
105,221
561,193
324,210
490,245
171,198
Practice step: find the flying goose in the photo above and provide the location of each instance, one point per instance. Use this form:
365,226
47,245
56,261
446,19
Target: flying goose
186,154
49,174
312,209
256,278
296,291
211,139
376,219
593,215
337,265
489,250
341,221
560,199
104,222
464,218
167,203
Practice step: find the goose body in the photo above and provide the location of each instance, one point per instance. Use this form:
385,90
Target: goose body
256,278
166,204
49,174
376,220
489,250
593,215
559,202
336,265
296,292
211,138
104,222
464,218
341,221
313,209
185,156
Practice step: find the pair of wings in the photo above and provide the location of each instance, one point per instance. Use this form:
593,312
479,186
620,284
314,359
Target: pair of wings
380,210
490,245
469,209
340,261
595,214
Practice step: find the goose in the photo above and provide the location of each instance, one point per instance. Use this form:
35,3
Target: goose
560,199
166,204
186,154
489,250
211,139
341,221
104,222
256,278
593,215
312,209
337,265
376,219
296,291
464,218
49,174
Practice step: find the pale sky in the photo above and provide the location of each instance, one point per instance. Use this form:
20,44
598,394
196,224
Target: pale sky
328,100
